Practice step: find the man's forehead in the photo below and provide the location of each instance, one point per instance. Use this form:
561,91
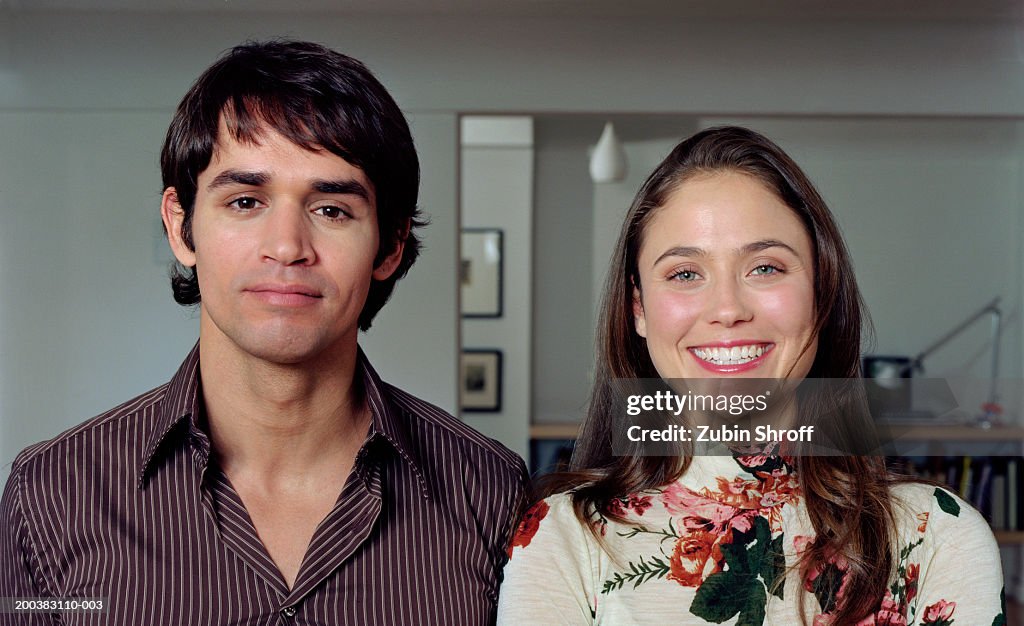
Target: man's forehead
253,138
255,133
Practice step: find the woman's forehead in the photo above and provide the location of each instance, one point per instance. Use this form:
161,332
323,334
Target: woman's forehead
723,210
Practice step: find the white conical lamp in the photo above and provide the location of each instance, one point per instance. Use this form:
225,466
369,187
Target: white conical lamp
608,161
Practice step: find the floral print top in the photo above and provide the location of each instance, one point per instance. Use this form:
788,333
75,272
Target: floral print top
717,546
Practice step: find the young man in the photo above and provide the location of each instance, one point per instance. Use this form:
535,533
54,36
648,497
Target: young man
275,478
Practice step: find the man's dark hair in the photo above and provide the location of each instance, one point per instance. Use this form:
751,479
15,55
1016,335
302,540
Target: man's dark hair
317,98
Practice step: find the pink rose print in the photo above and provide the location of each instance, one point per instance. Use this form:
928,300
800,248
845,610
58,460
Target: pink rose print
939,613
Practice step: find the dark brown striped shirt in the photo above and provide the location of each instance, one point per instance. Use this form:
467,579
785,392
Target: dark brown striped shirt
131,507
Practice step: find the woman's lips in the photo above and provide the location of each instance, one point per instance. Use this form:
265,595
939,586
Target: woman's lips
731,359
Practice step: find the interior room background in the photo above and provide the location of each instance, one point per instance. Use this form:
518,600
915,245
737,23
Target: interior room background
908,118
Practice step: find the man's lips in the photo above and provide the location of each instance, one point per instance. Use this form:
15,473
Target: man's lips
290,294
289,288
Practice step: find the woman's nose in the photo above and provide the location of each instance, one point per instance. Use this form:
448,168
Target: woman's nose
728,305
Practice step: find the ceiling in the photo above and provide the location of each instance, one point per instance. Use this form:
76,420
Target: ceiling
902,10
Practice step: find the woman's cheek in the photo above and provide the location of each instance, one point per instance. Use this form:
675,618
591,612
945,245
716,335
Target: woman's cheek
672,311
789,307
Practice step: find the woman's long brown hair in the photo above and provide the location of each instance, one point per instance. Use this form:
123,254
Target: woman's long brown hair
848,497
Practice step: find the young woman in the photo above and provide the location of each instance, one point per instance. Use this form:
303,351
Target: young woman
730,266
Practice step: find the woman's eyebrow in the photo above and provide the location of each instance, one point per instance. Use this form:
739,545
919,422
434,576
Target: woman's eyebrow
750,248
684,251
764,244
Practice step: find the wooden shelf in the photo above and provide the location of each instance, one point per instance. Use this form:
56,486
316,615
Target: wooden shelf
956,433
1009,536
554,431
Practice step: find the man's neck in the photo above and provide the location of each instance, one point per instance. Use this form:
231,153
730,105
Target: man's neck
281,421
283,433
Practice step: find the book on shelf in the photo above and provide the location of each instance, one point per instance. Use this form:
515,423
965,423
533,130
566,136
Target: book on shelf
1012,489
991,484
550,455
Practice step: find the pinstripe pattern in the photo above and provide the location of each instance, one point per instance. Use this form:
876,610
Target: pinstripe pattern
129,506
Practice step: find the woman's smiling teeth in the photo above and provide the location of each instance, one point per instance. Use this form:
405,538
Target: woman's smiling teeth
735,355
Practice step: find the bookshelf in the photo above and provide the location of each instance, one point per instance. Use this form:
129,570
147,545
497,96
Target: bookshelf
931,433
940,438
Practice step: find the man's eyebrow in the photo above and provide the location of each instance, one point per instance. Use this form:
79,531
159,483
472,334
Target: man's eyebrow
342,187
238,177
258,179
750,248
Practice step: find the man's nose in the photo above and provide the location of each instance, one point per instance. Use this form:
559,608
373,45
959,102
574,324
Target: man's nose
287,236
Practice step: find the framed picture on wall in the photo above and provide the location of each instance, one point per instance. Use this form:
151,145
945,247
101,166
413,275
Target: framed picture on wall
480,381
480,272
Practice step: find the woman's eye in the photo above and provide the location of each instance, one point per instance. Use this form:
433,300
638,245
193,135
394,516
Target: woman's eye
765,270
685,275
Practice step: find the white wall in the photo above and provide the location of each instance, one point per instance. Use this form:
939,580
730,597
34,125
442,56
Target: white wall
414,339
567,64
576,223
497,192
85,307
563,322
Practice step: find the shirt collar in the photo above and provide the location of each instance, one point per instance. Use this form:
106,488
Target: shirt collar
388,421
181,402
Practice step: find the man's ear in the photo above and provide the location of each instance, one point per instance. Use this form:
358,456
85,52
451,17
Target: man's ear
390,263
639,320
173,215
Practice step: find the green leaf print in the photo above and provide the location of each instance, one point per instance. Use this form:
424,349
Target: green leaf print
639,573
640,530
752,565
907,549
724,594
736,555
721,596
753,613
826,587
774,568
1000,620
947,503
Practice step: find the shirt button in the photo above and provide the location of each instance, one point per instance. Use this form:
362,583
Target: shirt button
288,611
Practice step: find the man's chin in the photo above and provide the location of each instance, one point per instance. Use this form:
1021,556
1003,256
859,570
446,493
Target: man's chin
285,350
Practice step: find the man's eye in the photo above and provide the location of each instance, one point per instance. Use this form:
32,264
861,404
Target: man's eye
331,212
244,203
